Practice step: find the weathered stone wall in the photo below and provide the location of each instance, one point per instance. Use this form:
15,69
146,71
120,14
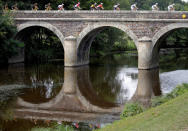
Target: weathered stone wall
142,23
100,14
66,28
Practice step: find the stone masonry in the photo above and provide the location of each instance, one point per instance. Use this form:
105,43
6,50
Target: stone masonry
77,29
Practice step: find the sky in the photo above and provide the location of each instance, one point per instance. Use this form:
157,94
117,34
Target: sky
185,0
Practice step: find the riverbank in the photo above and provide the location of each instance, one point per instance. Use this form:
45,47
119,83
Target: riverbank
170,116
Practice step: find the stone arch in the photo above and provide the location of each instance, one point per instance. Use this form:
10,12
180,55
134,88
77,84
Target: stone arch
86,37
46,25
157,37
165,30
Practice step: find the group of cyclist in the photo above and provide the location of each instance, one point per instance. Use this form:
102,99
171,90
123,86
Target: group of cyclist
14,7
92,7
154,7
34,7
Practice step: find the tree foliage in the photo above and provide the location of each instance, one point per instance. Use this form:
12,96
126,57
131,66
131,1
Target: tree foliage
110,40
8,46
41,45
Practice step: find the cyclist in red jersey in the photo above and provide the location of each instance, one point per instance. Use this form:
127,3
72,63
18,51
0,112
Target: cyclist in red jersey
100,7
77,6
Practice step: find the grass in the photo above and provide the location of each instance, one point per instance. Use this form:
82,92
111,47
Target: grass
170,116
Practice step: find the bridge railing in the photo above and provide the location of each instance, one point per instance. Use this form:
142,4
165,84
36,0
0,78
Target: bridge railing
100,14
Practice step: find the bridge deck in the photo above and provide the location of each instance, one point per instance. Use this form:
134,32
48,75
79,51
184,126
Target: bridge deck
162,15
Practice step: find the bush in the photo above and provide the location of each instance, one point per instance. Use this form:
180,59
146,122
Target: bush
55,128
131,109
179,90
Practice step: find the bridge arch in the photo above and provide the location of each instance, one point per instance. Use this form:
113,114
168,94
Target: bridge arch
87,36
46,25
156,40
165,30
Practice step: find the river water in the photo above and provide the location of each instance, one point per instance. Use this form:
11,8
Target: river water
87,97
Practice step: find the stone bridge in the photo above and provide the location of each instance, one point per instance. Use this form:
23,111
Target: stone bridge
77,30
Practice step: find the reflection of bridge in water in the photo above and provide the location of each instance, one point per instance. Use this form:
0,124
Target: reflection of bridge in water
70,104
78,102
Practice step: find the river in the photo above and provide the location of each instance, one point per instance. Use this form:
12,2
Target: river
89,96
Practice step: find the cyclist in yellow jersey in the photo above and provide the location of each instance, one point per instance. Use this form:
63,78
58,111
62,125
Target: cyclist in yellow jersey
93,6
48,7
35,7
6,7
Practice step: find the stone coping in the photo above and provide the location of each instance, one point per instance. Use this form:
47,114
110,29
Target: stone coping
99,11
104,19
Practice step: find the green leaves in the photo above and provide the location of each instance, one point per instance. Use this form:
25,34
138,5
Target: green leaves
179,90
8,45
111,39
131,109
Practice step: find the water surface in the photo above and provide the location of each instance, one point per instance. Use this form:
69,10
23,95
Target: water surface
90,96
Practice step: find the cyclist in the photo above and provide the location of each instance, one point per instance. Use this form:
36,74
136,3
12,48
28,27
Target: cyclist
77,6
93,6
134,7
116,7
35,7
15,7
61,7
6,7
155,7
100,7
48,7
171,7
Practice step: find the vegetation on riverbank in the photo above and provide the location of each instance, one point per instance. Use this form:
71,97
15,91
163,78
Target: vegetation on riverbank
8,95
8,45
171,114
177,59
55,127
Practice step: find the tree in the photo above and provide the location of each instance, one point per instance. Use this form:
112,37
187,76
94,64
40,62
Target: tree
8,45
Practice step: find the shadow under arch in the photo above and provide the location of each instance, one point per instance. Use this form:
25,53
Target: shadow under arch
87,36
166,30
46,25
161,34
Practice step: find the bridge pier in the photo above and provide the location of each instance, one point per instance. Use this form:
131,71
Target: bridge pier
146,56
70,58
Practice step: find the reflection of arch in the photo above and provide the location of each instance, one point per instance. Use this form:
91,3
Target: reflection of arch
165,30
69,92
87,91
42,24
86,37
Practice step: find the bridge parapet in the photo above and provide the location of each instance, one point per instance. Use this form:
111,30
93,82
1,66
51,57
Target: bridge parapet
100,14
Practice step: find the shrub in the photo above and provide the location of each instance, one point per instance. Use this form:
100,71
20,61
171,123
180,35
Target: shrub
55,128
131,109
179,90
